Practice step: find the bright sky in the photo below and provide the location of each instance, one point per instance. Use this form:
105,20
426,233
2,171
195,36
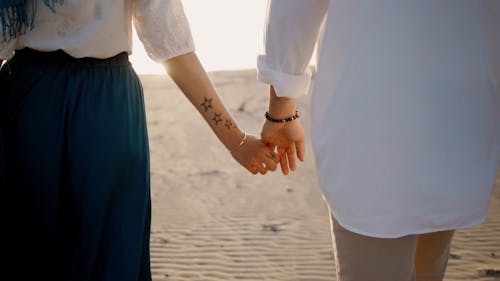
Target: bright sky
228,35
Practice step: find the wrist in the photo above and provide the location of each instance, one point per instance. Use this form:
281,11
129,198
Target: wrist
281,107
290,118
236,141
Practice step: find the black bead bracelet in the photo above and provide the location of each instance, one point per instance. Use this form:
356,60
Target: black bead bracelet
285,120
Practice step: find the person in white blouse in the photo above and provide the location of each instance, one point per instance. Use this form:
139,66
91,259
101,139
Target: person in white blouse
405,122
75,199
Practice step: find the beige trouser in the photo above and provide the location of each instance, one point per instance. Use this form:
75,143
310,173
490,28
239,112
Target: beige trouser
414,257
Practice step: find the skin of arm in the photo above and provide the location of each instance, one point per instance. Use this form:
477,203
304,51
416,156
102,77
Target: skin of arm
189,75
287,137
281,107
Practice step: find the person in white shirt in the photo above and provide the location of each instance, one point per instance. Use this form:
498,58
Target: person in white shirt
75,198
405,122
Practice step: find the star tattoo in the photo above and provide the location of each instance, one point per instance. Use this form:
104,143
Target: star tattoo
217,118
228,124
207,103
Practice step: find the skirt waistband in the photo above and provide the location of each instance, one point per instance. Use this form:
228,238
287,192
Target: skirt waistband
28,56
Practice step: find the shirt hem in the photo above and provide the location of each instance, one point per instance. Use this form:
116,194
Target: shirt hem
408,232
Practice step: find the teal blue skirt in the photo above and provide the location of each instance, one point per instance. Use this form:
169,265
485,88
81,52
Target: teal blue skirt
74,170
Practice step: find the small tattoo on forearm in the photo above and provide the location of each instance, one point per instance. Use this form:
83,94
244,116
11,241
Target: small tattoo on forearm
217,118
207,103
228,124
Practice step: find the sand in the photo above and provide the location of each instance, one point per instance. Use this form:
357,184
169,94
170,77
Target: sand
212,220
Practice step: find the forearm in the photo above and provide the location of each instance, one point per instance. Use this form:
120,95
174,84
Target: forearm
189,75
281,107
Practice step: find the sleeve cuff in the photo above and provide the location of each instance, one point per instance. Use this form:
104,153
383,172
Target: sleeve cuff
285,84
161,57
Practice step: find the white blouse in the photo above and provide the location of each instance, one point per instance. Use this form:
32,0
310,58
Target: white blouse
405,106
103,28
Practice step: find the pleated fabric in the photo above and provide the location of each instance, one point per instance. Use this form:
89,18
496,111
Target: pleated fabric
75,198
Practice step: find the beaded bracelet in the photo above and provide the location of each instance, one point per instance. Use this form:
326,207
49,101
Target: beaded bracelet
285,120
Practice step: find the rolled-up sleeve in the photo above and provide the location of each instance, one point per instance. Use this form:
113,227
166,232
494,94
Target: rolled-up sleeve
163,28
291,33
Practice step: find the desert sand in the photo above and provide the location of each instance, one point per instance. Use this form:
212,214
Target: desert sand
212,220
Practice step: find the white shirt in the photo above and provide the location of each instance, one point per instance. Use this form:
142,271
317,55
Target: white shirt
103,28
405,107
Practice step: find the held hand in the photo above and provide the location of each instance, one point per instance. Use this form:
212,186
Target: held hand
255,156
289,140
